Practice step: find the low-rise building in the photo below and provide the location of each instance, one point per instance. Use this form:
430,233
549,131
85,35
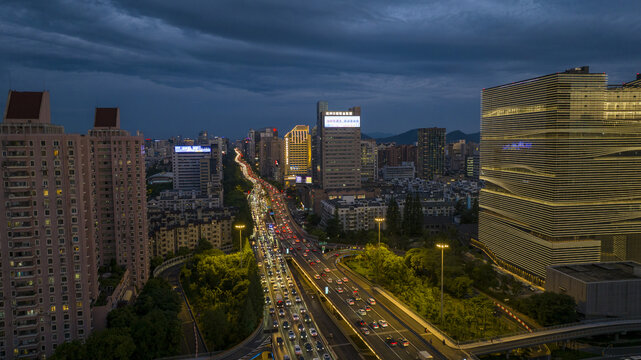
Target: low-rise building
172,230
406,170
603,289
354,214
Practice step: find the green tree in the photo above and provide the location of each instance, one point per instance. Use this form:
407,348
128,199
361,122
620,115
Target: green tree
550,308
393,217
73,350
203,245
110,344
333,228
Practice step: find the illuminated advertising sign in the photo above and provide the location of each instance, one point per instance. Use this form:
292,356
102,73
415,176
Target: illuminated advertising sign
192,149
299,179
342,121
308,180
517,146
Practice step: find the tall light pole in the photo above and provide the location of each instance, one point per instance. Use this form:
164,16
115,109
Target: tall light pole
240,228
379,220
442,247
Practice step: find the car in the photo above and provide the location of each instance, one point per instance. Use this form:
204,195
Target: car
326,356
354,290
303,310
275,324
327,270
303,335
365,330
297,350
329,280
368,308
268,300
308,347
272,311
265,290
405,342
279,341
301,327
374,325
295,317
281,312
323,274
360,323
382,323
312,263
285,325
286,357
313,332
291,335
298,300
371,301
288,303
285,292
390,341
339,282
339,290
317,277
319,346
350,301
345,279
362,312
307,319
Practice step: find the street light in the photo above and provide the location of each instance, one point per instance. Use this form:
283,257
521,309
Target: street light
240,228
442,247
379,220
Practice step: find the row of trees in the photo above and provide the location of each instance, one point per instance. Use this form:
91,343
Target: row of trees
147,329
411,221
227,295
235,188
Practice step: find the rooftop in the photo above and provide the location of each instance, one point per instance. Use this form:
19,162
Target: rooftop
24,105
603,271
107,117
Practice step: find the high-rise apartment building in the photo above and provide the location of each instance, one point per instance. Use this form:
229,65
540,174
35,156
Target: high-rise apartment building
560,160
120,195
321,106
68,203
369,160
268,149
340,139
297,155
431,153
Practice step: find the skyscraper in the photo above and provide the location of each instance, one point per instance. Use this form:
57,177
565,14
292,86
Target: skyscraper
186,166
297,155
560,160
121,195
269,153
369,160
340,139
431,152
321,107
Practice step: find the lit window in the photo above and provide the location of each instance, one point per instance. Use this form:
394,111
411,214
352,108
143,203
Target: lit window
65,307
59,191
53,308
46,193
55,153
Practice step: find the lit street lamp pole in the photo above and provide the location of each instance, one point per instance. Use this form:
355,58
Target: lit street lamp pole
379,220
442,247
240,228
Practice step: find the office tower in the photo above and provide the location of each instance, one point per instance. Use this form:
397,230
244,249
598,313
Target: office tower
560,161
431,153
321,106
48,275
340,151
121,196
297,156
203,138
396,155
268,151
186,166
369,161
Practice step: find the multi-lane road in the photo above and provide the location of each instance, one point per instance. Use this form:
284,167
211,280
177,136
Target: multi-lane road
295,335
385,332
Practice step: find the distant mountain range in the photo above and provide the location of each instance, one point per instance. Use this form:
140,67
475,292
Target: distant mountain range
411,136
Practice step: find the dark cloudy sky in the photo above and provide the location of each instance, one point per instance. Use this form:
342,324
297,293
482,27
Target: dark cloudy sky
178,66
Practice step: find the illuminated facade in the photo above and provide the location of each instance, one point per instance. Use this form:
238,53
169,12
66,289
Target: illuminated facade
297,155
561,161
431,153
369,160
186,166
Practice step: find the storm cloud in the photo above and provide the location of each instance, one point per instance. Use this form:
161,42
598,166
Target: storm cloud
175,67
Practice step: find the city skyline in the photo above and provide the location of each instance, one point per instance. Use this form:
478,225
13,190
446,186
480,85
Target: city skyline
418,65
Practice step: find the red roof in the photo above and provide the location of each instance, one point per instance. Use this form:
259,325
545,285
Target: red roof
24,105
106,117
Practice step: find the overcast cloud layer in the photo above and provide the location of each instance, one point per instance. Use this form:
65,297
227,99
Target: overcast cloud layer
175,67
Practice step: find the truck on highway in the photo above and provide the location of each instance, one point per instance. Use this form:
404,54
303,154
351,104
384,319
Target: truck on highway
424,355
